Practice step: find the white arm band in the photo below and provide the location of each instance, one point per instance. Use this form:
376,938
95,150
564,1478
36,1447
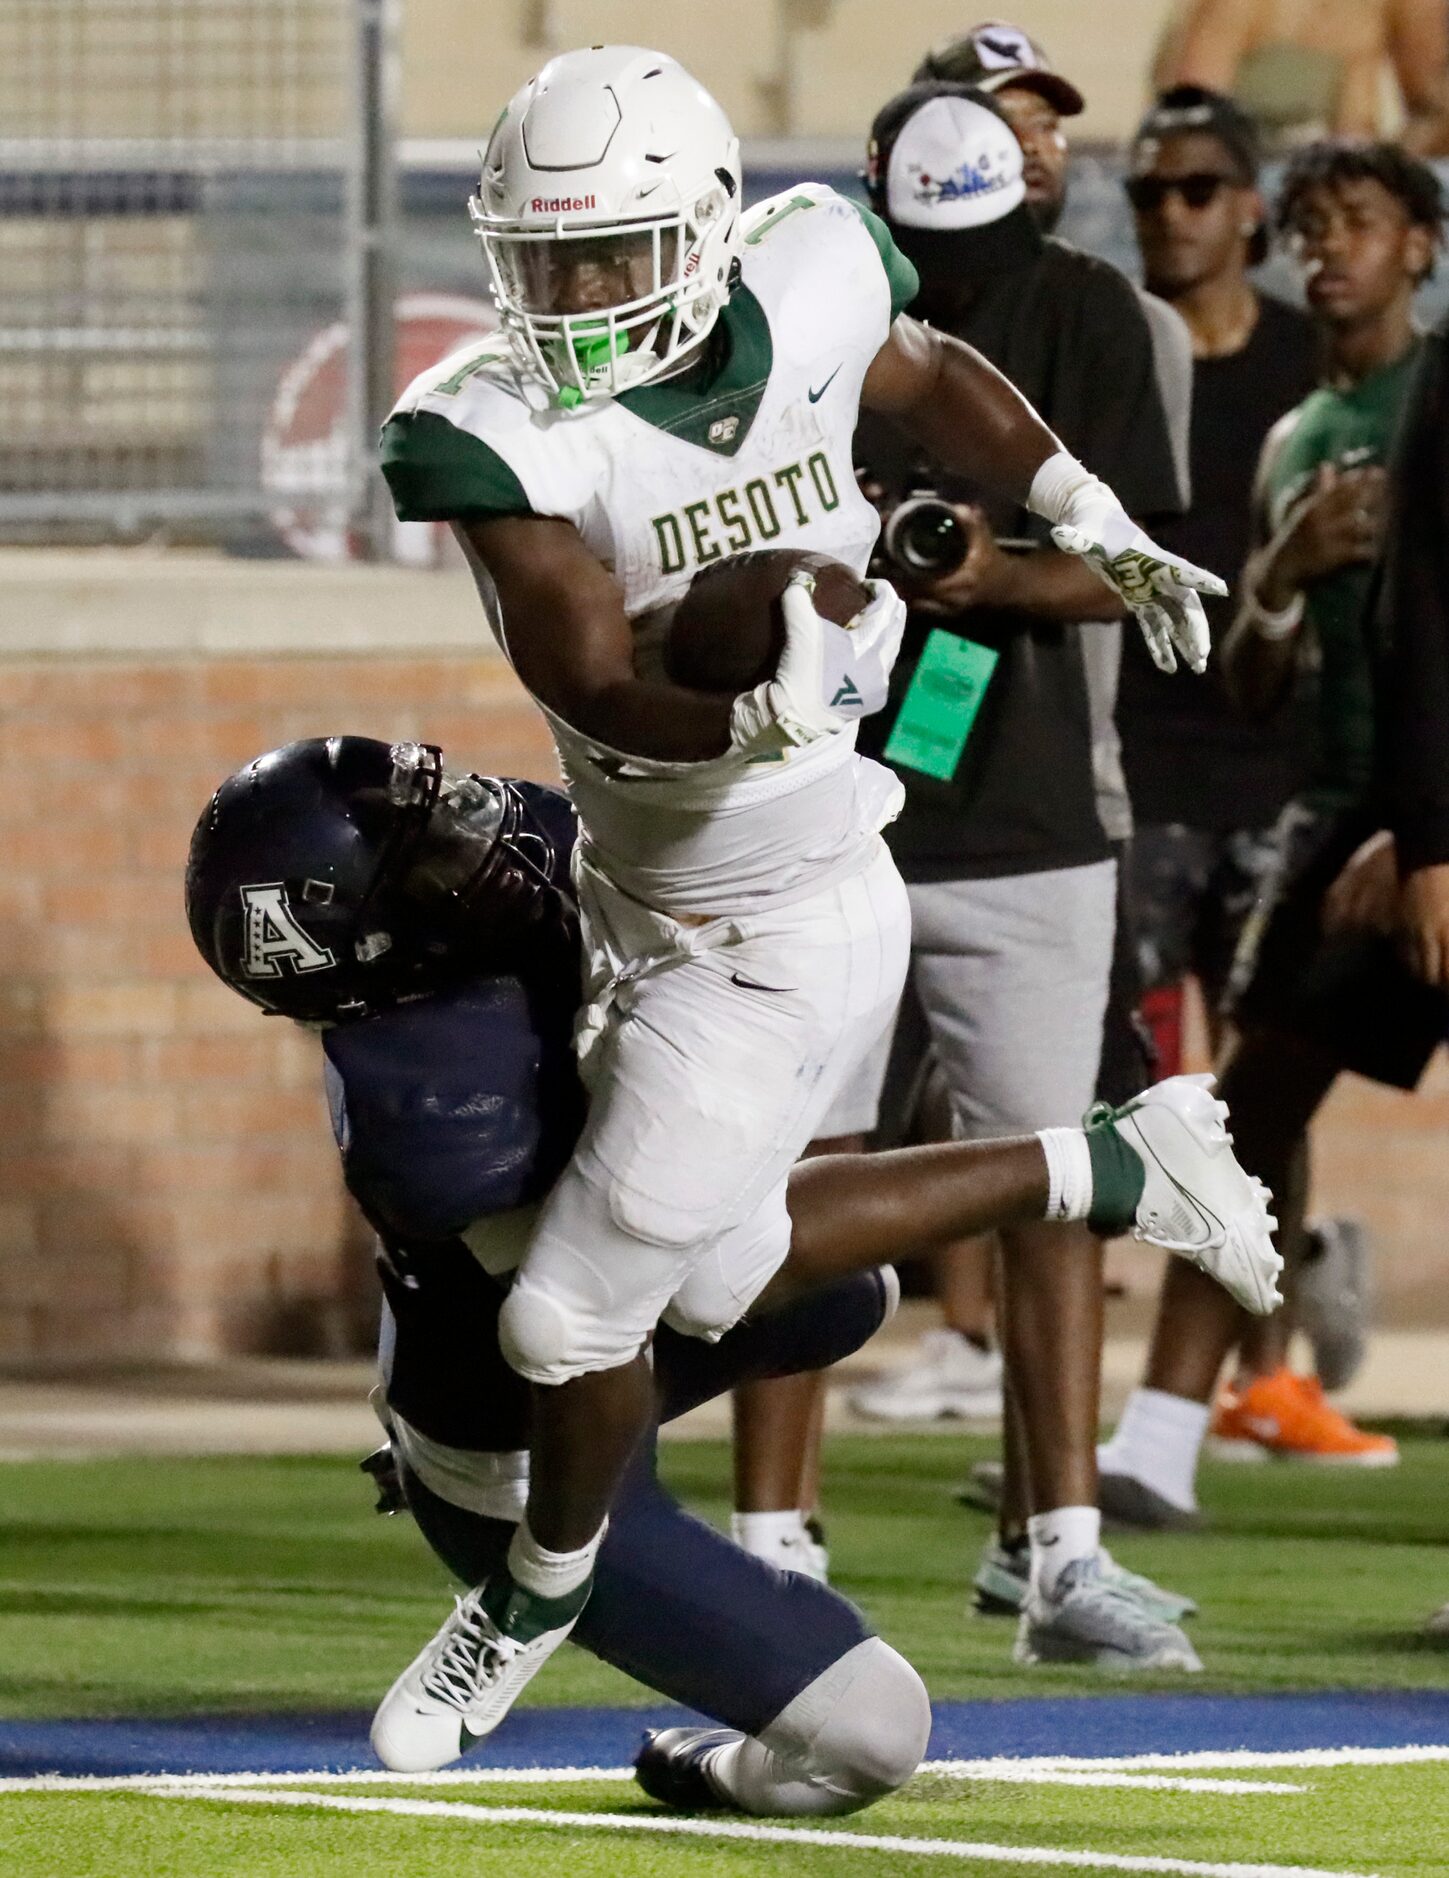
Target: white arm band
1056,483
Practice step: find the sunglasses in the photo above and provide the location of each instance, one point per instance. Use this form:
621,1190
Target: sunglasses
1148,193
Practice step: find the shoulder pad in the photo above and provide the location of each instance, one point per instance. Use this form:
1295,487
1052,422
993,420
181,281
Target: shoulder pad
757,221
485,359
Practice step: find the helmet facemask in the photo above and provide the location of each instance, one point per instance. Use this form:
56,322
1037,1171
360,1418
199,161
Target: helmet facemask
663,281
476,879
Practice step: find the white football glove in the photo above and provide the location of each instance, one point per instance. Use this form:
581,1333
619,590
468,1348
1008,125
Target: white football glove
828,676
1160,589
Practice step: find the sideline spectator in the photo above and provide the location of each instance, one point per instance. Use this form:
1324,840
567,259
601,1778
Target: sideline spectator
1204,829
1010,874
1034,97
1316,67
957,1372
1206,783
1320,984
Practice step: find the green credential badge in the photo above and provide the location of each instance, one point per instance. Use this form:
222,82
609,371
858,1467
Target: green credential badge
940,705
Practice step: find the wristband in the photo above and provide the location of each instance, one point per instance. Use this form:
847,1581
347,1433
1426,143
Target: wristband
1275,627
1057,482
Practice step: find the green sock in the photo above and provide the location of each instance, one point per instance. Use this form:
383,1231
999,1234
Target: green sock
523,1615
1118,1178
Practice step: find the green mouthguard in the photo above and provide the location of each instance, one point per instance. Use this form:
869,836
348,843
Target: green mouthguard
592,348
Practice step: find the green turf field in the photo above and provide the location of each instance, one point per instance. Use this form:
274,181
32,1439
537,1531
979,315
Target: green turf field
134,1586
173,1587
1385,1820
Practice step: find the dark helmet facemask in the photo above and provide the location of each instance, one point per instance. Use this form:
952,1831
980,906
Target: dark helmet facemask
479,856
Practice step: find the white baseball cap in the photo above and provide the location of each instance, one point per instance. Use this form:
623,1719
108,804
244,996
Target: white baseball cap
954,164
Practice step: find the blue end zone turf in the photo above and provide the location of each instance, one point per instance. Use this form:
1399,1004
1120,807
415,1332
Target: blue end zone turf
584,1737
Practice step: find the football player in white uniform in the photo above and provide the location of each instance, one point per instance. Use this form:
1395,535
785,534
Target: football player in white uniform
676,381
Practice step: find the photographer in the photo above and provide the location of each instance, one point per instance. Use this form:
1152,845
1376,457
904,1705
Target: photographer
1011,876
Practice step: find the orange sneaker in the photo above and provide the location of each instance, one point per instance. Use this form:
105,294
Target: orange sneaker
1290,1417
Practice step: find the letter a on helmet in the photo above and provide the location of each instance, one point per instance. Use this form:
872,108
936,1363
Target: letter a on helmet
273,936
609,211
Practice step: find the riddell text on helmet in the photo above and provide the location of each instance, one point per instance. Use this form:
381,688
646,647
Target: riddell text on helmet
560,205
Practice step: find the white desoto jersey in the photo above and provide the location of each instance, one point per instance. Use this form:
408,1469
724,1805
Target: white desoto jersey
667,478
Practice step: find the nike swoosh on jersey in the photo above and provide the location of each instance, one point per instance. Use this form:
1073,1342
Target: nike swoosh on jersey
816,396
750,984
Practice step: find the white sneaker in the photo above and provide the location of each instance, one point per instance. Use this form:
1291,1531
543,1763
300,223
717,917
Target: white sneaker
949,1378
799,1548
458,1688
1197,1201
1003,1579
1091,1617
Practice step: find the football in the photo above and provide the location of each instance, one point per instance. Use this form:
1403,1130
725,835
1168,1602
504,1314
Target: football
728,630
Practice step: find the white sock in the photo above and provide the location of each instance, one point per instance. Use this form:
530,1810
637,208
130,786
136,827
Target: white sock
1158,1441
1069,1172
1059,1537
550,1574
767,1535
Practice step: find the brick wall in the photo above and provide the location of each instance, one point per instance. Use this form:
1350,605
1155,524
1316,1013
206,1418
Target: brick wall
167,1181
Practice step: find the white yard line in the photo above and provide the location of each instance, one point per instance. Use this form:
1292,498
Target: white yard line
733,1829
1046,1769
1030,1776
59,1783
1216,1757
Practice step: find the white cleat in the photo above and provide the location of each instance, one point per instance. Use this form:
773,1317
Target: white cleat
1198,1202
457,1689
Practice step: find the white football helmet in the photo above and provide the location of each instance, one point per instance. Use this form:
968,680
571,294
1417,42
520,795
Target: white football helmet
609,212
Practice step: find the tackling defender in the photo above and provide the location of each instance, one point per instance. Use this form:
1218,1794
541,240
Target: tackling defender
422,919
674,383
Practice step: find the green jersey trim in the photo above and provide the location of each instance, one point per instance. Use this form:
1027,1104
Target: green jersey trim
901,275
715,408
439,473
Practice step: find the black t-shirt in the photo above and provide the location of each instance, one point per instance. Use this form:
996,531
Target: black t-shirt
1189,756
1067,329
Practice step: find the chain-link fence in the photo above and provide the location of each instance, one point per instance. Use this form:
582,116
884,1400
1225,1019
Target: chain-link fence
190,193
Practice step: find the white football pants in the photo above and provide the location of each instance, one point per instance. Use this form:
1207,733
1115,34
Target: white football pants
712,1051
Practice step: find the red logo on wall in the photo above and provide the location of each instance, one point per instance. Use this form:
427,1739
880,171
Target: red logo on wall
305,443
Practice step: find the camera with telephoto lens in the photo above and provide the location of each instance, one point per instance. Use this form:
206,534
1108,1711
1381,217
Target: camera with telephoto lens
925,536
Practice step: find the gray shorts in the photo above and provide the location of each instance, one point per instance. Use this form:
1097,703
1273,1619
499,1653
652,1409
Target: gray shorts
1011,974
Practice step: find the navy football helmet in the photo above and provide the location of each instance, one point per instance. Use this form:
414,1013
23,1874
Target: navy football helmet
339,876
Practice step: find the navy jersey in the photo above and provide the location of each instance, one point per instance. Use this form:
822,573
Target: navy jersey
466,1103
460,1105
447,1110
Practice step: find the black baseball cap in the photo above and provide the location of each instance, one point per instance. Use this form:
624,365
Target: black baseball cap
1188,108
995,54
1193,109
